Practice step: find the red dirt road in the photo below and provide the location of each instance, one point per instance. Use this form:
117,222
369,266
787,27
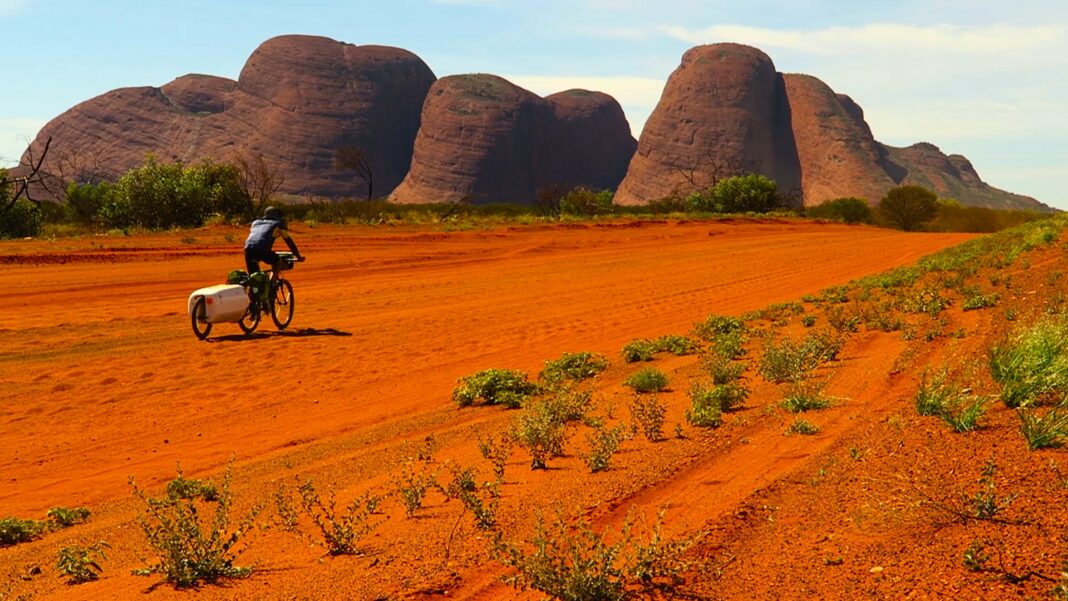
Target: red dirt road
107,380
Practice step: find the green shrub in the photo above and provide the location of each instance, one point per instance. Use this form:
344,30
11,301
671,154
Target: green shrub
341,530
803,427
65,517
639,350
975,299
497,450
1032,364
413,482
22,220
716,325
805,395
649,413
926,300
707,404
751,193
494,387
542,430
162,195
191,548
583,566
14,530
482,501
1043,431
647,379
790,361
847,210
586,202
908,207
808,321
81,564
188,488
574,366
83,202
721,369
676,345
603,443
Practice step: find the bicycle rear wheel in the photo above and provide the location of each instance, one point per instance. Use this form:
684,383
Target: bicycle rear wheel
282,304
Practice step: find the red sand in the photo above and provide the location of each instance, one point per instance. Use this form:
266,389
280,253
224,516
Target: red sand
105,379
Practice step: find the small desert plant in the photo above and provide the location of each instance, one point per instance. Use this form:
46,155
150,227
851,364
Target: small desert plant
81,564
975,299
790,361
975,556
481,500
647,379
934,393
582,565
963,412
837,319
808,320
926,300
341,530
494,387
722,369
604,442
542,431
707,404
1032,365
190,548
191,488
717,325
676,345
65,517
639,350
412,484
497,450
985,504
803,427
805,395
1043,431
15,530
573,366
649,413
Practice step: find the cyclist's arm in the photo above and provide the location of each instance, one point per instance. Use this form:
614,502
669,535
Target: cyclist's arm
284,233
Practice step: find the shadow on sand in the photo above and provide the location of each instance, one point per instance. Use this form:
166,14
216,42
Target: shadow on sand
297,333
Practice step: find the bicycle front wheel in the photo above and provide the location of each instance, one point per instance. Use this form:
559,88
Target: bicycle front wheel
282,304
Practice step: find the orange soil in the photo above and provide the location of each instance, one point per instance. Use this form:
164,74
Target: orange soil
104,380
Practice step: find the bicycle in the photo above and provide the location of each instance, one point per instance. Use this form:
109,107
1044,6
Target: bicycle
279,301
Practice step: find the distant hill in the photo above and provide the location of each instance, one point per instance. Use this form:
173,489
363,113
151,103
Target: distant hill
299,99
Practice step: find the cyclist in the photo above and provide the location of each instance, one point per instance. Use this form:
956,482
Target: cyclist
261,238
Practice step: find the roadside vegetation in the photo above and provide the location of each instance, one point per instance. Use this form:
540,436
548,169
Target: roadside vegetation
160,195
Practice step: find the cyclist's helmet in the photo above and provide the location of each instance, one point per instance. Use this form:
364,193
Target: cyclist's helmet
273,213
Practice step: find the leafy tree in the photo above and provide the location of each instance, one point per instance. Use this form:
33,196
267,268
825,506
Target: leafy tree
83,202
740,194
849,210
909,207
584,201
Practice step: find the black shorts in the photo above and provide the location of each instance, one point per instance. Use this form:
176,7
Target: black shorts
253,257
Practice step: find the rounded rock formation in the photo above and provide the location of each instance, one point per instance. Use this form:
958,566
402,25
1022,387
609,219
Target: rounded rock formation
298,100
838,155
485,140
723,112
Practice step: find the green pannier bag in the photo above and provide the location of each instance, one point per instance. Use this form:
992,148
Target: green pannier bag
237,276
258,284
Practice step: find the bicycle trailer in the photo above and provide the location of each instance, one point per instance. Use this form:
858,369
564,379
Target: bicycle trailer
222,303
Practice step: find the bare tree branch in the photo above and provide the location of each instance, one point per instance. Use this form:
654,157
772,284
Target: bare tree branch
358,160
22,184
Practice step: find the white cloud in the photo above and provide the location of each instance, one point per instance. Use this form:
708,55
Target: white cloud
637,95
15,134
974,42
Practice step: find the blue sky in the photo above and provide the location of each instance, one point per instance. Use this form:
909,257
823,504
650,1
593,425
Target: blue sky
979,78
